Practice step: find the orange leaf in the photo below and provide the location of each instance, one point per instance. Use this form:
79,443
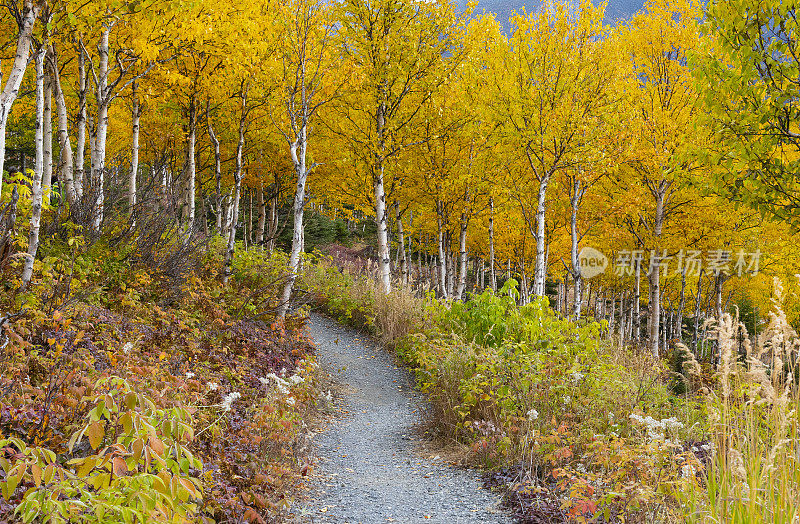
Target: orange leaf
252,516
120,467
156,444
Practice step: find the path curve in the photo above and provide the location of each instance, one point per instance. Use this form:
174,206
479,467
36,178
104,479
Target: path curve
371,468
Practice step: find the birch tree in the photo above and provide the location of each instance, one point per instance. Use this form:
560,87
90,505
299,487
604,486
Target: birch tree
136,115
66,162
25,19
663,109
398,49
548,78
238,174
38,171
306,65
578,182
123,46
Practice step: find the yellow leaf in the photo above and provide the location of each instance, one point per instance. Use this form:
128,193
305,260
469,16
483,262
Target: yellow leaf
49,471
136,448
95,433
87,466
36,471
188,486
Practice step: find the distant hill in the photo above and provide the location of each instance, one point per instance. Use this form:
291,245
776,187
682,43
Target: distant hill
616,10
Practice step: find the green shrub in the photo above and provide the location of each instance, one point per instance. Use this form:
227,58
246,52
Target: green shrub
523,385
137,467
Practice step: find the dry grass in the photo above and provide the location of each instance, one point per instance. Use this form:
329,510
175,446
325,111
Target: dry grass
755,429
355,298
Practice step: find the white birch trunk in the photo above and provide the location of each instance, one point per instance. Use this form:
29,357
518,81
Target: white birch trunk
384,261
229,220
636,301
655,309
297,150
492,275
526,296
540,271
191,167
575,199
462,258
36,189
237,190
8,95
655,273
47,137
588,293
379,194
100,131
66,161
136,113
80,125
219,203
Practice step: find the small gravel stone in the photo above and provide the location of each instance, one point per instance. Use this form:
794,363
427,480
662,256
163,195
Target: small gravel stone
369,463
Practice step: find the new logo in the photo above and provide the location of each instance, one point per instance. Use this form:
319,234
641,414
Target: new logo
592,262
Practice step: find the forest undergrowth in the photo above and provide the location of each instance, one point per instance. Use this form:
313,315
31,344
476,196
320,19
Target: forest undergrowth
136,388
572,426
125,399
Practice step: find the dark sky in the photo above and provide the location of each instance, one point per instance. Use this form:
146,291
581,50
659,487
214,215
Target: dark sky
504,8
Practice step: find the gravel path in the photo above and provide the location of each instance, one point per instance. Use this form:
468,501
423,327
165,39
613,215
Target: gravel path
371,466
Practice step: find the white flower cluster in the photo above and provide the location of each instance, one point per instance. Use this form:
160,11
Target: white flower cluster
656,428
127,347
688,471
212,386
703,447
189,375
577,376
228,399
532,415
283,385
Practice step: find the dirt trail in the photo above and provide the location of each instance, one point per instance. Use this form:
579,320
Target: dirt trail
371,466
